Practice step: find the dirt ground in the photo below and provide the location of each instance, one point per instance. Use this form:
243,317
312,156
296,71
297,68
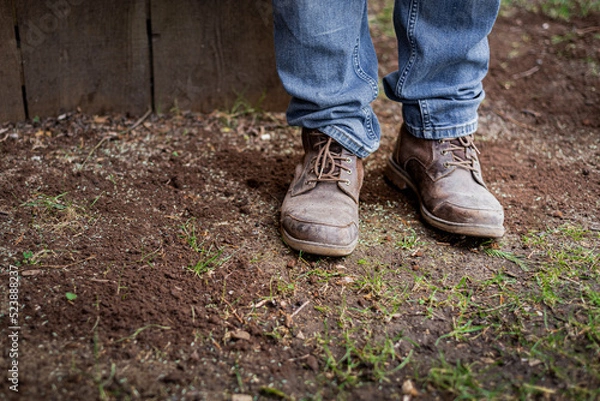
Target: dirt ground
151,266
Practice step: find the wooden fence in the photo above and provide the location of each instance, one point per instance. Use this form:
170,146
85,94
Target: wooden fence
129,55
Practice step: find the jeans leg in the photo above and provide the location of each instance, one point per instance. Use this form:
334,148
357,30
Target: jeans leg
327,63
443,57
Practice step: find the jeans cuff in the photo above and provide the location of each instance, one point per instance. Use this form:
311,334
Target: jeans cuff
454,131
350,142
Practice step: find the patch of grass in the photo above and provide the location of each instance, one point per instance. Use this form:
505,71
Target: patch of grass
353,357
209,260
410,240
49,203
459,379
557,9
55,213
497,253
461,332
546,317
210,257
140,330
244,107
379,285
381,18
241,108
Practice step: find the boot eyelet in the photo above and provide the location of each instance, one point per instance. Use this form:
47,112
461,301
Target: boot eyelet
446,165
348,182
349,172
348,160
444,152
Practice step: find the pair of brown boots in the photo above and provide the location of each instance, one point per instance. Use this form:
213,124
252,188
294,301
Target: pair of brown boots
319,214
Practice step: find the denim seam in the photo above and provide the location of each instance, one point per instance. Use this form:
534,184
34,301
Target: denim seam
425,115
361,73
369,123
374,88
412,22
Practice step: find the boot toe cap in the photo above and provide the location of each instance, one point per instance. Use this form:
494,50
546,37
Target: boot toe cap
320,232
475,217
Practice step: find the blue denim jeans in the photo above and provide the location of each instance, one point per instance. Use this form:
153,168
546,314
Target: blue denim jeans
327,63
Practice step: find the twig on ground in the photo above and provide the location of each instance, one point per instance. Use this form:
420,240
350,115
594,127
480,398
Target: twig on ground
216,344
96,148
95,324
299,309
590,29
138,331
109,136
299,358
516,122
69,265
233,311
138,122
527,73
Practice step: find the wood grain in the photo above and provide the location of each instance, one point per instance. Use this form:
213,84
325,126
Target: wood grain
11,97
208,54
88,54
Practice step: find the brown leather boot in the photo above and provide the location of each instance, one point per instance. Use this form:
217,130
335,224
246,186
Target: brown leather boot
446,176
319,214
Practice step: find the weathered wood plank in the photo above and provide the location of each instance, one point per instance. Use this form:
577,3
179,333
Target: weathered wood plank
209,53
88,54
11,97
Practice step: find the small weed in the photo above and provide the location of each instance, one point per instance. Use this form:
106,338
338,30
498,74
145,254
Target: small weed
353,358
28,258
409,241
242,106
46,202
96,199
271,392
457,379
372,282
140,330
461,332
496,253
56,213
322,274
210,258
323,309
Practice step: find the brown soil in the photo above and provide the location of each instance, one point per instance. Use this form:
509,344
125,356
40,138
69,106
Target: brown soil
110,214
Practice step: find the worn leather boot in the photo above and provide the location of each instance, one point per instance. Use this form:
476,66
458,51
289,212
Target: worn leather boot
319,214
446,176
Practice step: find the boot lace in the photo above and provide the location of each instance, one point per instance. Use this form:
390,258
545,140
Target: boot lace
327,164
460,146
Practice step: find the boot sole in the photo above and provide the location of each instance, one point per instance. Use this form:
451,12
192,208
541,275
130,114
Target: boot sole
317,248
399,178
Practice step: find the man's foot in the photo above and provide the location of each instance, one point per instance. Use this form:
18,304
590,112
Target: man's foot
319,214
446,176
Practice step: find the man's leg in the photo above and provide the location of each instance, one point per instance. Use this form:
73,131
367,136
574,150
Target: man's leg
327,63
443,58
